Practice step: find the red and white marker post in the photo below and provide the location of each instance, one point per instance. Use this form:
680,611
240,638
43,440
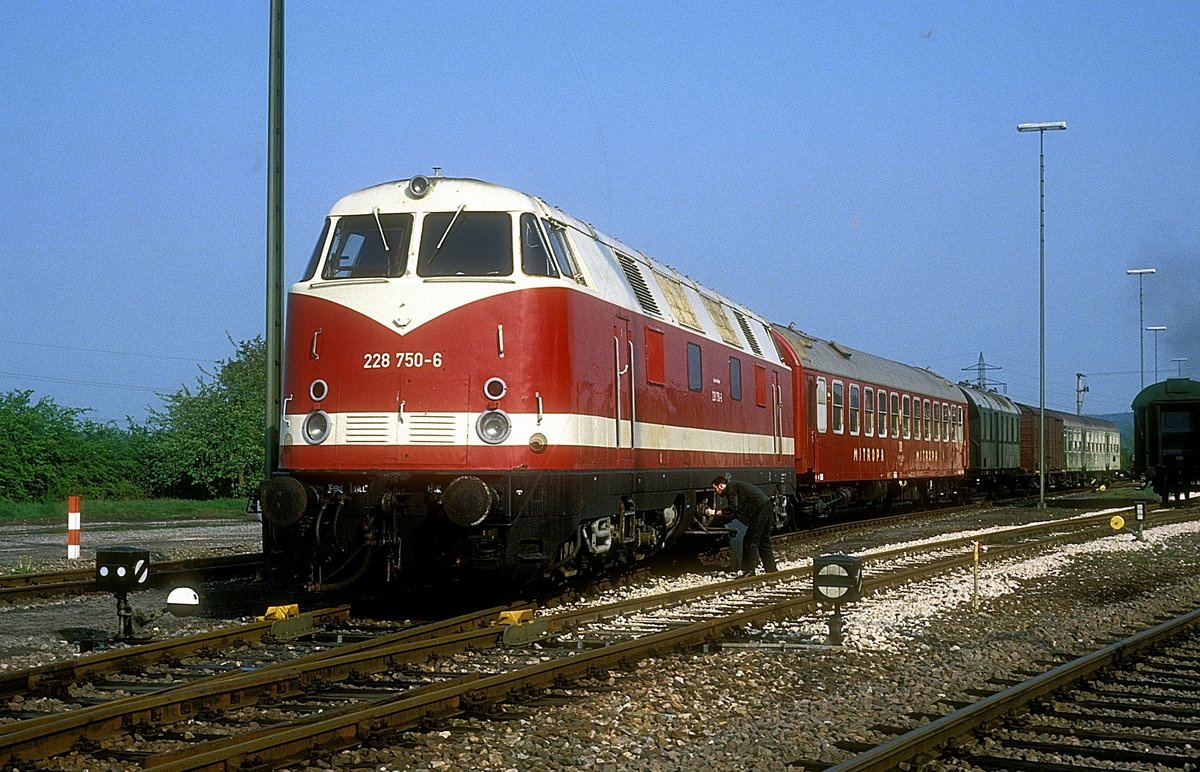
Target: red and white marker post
72,527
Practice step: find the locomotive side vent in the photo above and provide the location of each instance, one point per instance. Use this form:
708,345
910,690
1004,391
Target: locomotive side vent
433,429
368,429
638,282
748,332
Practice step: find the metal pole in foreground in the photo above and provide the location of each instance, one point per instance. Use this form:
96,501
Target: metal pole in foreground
1041,129
274,332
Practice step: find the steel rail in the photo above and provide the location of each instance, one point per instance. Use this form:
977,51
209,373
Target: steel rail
924,742
80,580
352,725
55,734
381,654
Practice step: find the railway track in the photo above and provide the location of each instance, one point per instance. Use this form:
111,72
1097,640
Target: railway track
1131,703
21,587
344,695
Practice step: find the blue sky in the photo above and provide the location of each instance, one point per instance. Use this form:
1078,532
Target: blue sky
852,168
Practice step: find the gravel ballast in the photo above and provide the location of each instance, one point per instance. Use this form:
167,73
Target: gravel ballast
908,655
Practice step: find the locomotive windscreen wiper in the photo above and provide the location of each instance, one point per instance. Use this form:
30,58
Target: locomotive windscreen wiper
386,248
446,233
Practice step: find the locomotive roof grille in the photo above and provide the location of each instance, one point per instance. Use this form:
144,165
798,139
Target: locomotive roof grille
638,283
748,332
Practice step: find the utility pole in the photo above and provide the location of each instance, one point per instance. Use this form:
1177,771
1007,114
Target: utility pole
1080,390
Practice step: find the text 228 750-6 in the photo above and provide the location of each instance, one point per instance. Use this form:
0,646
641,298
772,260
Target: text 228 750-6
374,360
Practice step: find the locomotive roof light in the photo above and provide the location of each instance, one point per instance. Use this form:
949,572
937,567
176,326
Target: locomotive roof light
316,427
495,389
418,186
318,390
493,426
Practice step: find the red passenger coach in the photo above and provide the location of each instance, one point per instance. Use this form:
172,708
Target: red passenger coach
875,429
477,386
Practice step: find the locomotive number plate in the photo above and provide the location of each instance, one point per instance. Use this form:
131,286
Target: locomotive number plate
375,360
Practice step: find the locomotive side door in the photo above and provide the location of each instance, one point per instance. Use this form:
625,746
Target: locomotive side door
624,394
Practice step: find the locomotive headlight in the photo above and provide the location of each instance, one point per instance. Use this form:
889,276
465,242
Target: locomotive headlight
493,427
318,390
316,427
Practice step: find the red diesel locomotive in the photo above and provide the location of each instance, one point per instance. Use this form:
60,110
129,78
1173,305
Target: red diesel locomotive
479,386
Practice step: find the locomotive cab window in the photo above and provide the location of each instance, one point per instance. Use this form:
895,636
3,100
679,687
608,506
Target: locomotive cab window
561,247
535,252
369,245
317,253
463,243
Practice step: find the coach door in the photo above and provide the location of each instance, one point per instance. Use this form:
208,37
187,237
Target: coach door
625,397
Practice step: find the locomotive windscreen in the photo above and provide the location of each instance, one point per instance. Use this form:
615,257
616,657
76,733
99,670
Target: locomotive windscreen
466,244
369,245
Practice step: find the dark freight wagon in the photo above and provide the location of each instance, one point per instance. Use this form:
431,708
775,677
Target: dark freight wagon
1166,445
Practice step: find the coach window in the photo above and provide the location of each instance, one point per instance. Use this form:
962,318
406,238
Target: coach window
735,378
854,408
839,405
869,407
822,398
812,401
895,414
928,415
916,418
695,379
945,422
881,422
937,421
561,247
372,245
907,416
656,370
463,243
535,253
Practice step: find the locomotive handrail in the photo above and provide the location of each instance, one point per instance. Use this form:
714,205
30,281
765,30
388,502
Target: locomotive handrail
632,400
